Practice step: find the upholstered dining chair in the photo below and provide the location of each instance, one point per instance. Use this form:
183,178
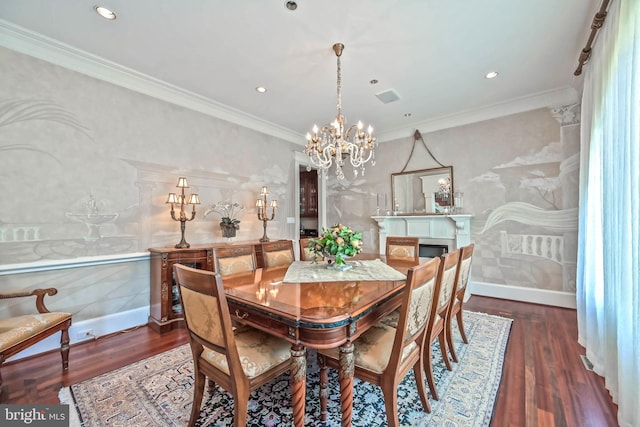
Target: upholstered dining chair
234,259
239,361
455,308
22,331
383,355
305,253
277,253
438,319
403,248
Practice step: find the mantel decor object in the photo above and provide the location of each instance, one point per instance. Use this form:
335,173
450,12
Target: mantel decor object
261,204
181,199
337,244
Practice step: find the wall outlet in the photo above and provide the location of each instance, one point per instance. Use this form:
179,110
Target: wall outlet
86,334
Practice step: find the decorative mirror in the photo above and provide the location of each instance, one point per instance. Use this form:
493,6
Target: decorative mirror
421,192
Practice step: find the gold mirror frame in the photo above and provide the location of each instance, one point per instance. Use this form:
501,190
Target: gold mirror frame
407,193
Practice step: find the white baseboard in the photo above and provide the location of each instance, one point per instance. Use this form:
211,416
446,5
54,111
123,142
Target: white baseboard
537,296
99,326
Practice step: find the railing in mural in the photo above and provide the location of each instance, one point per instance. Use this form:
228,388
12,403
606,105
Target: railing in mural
543,246
20,234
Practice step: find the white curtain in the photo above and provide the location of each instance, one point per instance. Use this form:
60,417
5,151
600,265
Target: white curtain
608,285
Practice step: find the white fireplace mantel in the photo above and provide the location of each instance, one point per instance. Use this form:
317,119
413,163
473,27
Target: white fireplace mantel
452,230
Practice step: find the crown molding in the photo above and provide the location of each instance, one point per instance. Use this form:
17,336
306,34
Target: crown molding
552,98
39,46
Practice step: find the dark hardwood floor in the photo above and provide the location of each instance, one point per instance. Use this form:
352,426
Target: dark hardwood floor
544,380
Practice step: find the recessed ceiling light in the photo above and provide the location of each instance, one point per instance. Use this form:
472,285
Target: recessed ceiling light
105,13
291,5
491,75
261,89
373,81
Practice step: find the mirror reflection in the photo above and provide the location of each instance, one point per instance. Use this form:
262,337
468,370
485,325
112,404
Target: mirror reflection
425,191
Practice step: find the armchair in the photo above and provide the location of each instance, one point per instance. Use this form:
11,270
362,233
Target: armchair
20,332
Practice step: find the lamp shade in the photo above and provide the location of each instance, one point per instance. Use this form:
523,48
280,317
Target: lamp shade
194,199
260,203
182,182
264,191
172,198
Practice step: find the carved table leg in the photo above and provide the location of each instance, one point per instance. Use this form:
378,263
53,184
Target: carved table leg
346,382
298,383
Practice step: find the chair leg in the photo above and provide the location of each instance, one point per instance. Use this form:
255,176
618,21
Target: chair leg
391,405
418,373
428,367
443,349
324,387
198,391
452,350
241,406
64,348
461,326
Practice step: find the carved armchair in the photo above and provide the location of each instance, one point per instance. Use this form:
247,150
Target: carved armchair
19,332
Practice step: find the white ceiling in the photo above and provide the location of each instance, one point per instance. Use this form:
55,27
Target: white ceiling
433,53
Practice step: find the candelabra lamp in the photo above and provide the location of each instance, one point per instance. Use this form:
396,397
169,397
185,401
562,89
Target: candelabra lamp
261,204
181,199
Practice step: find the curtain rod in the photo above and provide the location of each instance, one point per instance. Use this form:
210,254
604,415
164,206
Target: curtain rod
598,21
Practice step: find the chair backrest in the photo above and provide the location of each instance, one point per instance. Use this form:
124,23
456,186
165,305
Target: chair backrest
449,270
403,248
206,314
278,253
307,254
417,303
234,259
465,267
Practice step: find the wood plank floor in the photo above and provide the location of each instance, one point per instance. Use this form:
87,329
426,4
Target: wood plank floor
544,380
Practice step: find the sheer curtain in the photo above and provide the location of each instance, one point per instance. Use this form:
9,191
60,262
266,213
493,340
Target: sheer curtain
608,285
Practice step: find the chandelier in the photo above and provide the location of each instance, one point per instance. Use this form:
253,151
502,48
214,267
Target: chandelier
332,144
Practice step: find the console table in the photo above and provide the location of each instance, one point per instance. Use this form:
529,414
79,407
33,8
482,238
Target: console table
451,230
165,311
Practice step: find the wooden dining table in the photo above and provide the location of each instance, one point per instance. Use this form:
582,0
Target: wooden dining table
317,315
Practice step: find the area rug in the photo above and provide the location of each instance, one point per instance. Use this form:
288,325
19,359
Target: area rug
158,391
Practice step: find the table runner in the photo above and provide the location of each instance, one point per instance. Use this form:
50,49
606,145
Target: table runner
363,270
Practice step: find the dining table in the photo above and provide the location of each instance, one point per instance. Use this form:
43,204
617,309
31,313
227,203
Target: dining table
313,306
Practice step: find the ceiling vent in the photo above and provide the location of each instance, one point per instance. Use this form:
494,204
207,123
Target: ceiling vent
388,96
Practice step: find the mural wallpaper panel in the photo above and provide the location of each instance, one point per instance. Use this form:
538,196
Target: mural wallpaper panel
89,167
519,175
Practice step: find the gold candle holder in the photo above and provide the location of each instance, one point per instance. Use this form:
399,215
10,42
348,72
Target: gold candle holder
261,204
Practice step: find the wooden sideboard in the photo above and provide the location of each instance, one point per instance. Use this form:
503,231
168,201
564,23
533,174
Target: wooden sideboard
165,311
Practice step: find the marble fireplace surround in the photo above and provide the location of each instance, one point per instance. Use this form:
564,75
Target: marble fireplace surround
451,230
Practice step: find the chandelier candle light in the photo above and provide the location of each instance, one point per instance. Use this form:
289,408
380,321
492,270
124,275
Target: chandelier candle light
181,199
331,143
261,204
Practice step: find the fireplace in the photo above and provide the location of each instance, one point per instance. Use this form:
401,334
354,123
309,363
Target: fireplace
432,251
437,233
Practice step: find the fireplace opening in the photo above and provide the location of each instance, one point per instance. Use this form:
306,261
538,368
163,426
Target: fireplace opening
432,251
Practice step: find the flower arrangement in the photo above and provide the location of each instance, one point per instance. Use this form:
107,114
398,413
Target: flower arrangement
227,210
338,241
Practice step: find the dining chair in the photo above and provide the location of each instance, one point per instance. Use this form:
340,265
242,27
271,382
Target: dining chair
455,308
234,259
383,355
307,254
277,253
436,327
403,248
238,361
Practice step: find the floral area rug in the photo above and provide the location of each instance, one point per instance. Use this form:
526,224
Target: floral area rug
158,391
